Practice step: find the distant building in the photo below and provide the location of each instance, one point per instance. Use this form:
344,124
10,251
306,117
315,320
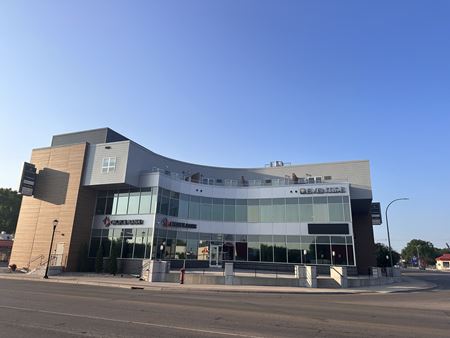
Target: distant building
6,243
109,193
443,262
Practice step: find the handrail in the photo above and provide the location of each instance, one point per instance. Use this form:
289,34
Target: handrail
229,182
41,256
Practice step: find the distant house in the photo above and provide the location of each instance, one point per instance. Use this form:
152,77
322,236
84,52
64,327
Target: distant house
443,262
5,249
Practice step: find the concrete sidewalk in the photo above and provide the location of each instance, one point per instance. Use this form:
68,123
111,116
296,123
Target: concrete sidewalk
408,284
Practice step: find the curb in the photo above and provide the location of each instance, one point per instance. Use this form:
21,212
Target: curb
216,290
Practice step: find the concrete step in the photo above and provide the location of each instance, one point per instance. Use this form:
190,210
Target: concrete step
328,283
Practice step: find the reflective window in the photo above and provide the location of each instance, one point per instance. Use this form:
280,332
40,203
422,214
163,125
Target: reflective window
181,247
146,200
279,206
320,207
100,206
228,210
109,204
253,251
183,207
266,245
217,210
122,203
128,242
292,210
140,244
174,204
206,208
279,249
241,210
108,165
253,211
194,207
133,202
306,209
265,210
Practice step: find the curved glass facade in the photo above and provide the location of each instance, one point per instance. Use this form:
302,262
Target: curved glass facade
139,243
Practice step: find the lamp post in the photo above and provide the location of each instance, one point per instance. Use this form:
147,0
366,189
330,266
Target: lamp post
418,256
387,226
55,223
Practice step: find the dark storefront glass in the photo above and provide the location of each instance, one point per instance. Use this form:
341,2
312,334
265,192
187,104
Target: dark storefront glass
253,251
228,251
128,243
279,249
323,254
339,254
241,251
351,260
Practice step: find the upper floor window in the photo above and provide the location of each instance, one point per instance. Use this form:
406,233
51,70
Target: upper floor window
108,165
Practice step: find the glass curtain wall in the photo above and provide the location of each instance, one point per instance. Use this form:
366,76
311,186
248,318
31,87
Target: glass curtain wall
264,210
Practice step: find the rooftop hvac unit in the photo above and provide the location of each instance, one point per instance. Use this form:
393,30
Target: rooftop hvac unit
276,164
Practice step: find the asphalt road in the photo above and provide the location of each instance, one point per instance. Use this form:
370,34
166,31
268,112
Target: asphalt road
42,309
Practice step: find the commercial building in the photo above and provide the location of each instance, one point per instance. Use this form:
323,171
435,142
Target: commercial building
111,194
443,262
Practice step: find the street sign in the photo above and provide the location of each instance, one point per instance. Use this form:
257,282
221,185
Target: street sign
28,180
375,211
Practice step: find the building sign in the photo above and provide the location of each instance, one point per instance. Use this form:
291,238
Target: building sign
166,223
28,180
328,190
107,221
375,210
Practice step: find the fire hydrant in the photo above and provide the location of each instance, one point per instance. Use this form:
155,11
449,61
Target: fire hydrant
182,272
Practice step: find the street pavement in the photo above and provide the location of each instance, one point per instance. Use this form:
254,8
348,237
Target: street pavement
46,309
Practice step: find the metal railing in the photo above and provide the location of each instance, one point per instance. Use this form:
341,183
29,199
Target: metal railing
269,181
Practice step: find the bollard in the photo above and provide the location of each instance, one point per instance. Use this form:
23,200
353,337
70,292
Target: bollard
182,272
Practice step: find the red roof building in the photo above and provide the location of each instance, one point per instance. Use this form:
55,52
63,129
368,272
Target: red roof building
443,262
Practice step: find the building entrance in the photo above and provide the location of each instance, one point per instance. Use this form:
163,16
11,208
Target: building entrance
215,259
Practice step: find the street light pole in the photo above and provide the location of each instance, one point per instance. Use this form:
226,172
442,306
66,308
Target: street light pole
387,226
418,256
55,223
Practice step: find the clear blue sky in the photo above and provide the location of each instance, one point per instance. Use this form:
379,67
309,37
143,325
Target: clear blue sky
240,83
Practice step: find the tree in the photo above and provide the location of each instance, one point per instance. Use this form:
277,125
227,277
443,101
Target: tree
382,253
424,249
99,259
9,210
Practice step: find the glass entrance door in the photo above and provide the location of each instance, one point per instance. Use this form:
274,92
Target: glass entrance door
215,260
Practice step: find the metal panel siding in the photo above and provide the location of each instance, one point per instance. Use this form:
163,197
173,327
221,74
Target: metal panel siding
357,173
94,136
96,153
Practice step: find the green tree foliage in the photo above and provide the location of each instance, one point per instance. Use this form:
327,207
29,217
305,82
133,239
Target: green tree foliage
99,259
9,210
382,253
426,251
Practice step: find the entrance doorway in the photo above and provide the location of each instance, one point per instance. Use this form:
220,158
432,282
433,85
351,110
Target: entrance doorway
215,259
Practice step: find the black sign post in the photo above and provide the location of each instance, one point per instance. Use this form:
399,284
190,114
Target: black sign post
28,180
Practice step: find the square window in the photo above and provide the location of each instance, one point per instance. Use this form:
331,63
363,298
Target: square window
108,165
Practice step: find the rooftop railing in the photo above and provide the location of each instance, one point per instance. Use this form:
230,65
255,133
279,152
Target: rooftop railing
269,182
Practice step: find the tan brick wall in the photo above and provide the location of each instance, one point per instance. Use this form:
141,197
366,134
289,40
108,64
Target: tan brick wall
56,196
